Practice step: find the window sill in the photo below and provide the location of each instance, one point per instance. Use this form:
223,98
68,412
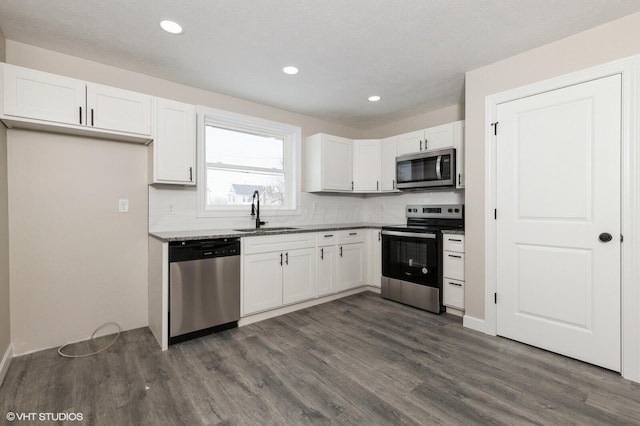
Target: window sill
266,213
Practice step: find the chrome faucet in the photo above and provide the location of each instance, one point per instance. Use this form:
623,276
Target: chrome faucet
256,212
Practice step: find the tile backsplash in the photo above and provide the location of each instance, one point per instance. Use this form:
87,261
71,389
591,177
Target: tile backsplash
175,209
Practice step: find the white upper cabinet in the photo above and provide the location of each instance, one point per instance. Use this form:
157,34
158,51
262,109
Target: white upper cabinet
110,108
431,139
439,137
329,163
43,96
388,153
174,146
366,165
39,100
412,142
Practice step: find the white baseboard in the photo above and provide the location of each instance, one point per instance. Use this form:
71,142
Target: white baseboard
261,316
6,360
474,323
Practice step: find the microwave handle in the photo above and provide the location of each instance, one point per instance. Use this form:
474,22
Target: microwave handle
438,171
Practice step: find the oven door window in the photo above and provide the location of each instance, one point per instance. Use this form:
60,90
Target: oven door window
410,259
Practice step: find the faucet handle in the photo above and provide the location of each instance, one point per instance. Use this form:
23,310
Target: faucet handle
263,223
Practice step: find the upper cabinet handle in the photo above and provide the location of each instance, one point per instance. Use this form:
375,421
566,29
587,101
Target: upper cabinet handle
80,115
191,174
92,116
420,144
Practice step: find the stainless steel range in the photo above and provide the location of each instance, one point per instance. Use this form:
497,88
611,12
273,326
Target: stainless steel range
412,255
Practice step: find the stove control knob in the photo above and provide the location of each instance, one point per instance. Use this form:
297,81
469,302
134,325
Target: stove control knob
457,210
450,210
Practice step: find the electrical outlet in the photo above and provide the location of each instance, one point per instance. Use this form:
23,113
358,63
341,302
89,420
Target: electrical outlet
171,208
123,206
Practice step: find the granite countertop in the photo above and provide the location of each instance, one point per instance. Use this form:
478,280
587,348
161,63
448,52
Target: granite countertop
453,231
230,233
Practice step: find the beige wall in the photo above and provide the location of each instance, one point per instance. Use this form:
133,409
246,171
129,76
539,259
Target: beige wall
47,60
422,121
615,40
5,329
76,262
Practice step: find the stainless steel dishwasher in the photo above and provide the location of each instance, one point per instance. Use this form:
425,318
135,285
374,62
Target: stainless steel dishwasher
204,287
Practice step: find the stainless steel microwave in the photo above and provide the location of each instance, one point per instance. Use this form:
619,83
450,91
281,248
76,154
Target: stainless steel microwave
426,169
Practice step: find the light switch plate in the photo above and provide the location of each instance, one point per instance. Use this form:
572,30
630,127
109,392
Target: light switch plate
123,205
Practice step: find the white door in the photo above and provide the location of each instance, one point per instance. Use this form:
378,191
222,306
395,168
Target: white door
110,108
558,190
299,275
366,160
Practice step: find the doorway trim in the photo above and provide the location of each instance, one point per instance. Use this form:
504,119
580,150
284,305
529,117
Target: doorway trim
629,69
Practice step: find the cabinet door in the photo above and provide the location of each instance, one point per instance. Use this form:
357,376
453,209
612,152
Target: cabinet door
453,265
327,270
366,165
453,293
411,142
174,145
337,163
299,275
439,137
262,282
351,266
376,257
120,110
388,153
459,146
43,96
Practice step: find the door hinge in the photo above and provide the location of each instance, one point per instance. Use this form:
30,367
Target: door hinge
495,128
495,214
495,298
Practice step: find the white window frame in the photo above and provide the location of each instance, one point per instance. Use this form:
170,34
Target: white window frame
291,135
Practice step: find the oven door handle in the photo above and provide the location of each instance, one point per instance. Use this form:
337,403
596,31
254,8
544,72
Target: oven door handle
409,234
438,168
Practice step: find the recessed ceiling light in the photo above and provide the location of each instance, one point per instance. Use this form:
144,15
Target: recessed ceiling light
374,98
171,27
290,70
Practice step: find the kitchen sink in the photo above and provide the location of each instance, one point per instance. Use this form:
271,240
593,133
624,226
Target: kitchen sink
267,229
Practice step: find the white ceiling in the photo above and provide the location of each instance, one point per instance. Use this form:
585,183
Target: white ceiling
413,53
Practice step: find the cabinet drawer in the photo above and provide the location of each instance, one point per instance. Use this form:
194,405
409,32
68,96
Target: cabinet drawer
269,243
453,265
326,238
453,293
351,236
453,242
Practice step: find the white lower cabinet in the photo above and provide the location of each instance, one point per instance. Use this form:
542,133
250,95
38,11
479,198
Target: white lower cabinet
351,263
453,271
375,258
262,282
327,270
278,270
299,275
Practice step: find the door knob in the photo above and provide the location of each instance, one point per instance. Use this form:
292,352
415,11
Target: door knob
605,237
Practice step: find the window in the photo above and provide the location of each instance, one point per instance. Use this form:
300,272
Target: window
240,155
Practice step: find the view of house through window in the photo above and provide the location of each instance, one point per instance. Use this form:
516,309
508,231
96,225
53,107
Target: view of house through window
239,163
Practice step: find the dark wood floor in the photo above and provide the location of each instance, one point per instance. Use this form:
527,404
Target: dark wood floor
359,360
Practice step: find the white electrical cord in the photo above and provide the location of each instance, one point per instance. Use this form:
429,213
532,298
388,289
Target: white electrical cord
92,336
